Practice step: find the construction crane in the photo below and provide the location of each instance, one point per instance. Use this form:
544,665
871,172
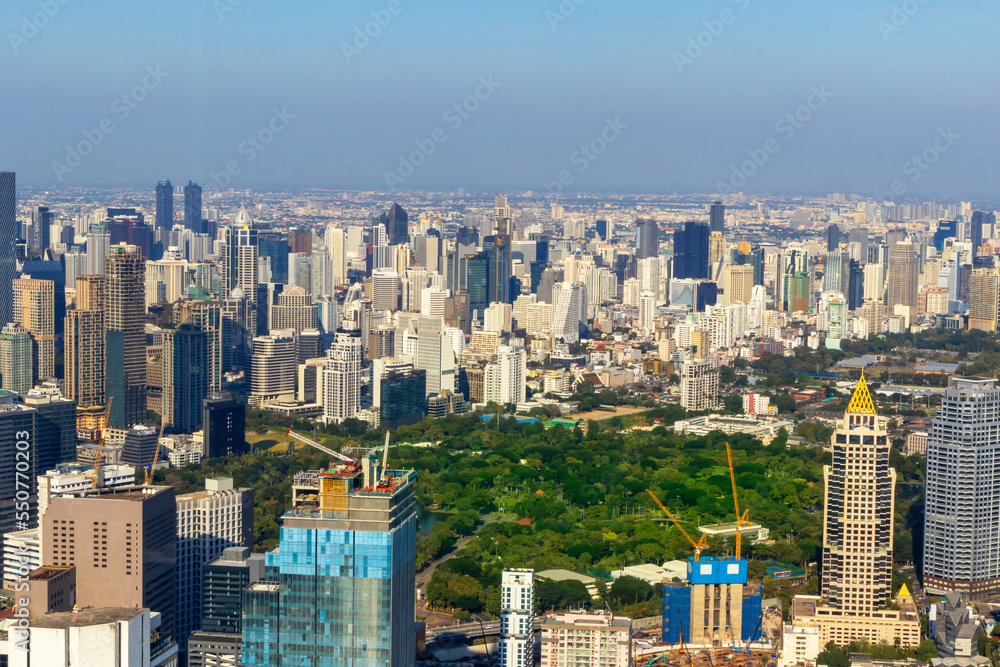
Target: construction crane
742,520
754,633
156,456
700,545
100,444
325,450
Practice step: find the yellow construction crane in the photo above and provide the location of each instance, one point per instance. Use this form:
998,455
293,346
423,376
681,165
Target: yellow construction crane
100,444
742,520
156,456
699,546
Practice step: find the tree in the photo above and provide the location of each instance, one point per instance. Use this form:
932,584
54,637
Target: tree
927,650
833,656
629,590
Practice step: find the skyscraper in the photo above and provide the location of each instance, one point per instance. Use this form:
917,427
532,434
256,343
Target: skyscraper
903,277
961,523
34,308
41,222
976,231
396,223
602,230
435,355
717,217
647,234
192,208
8,235
84,344
274,246
125,335
224,423
385,290
700,383
164,205
983,299
691,251
504,381
832,238
185,376
273,368
15,358
239,257
342,377
341,584
858,509
567,314
517,618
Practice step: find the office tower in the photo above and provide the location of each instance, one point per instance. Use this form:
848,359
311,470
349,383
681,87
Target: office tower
192,208
41,222
504,380
294,310
341,588
475,278
738,287
208,317
717,217
699,384
602,230
15,358
432,301
983,302
691,251
139,446
946,229
605,639
396,224
342,377
125,335
832,238
902,274
55,428
647,238
208,522
859,235
498,266
647,313
220,640
716,247
336,244
428,252
239,256
272,368
498,318
185,376
34,309
98,243
402,396
385,290
837,271
17,428
858,507
874,282
550,276
164,205
855,285
84,344
976,231
8,234
517,618
224,422
961,525
274,246
123,544
567,313
435,355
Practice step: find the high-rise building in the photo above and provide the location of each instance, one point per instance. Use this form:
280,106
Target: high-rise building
858,507
342,377
699,384
647,312
385,290
647,238
832,238
341,583
517,618
976,231
164,205
208,523
8,235
41,223
17,427
602,230
435,355
15,358
605,640
961,525
84,344
123,544
691,251
402,397
336,245
716,247
139,446
273,368
192,208
984,289
568,311
396,224
738,287
274,246
717,217
505,378
125,335
224,424
185,376
902,277
55,428
34,309
240,253
295,310
859,235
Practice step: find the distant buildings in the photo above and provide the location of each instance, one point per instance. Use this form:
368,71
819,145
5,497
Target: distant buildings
699,384
517,618
605,640
125,338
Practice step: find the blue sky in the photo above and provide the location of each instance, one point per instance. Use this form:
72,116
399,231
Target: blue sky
686,126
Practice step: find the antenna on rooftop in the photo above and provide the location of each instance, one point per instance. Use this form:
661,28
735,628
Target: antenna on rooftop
385,456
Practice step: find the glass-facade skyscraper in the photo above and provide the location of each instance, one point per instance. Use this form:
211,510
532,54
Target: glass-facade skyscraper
192,208
691,251
340,588
164,205
8,234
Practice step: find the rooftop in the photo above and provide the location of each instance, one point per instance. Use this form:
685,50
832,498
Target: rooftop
85,617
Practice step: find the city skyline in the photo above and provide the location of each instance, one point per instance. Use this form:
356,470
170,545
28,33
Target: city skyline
673,98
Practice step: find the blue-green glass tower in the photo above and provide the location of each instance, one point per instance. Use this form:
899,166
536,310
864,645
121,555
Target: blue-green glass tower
339,589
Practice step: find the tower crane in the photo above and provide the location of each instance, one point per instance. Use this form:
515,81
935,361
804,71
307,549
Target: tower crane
742,520
156,456
699,546
100,445
326,450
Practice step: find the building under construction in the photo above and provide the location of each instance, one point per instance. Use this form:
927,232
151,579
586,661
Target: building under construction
715,606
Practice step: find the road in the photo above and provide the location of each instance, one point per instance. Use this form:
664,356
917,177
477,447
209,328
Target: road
425,575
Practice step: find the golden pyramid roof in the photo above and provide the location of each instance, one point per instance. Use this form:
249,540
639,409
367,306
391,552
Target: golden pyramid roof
861,401
904,592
